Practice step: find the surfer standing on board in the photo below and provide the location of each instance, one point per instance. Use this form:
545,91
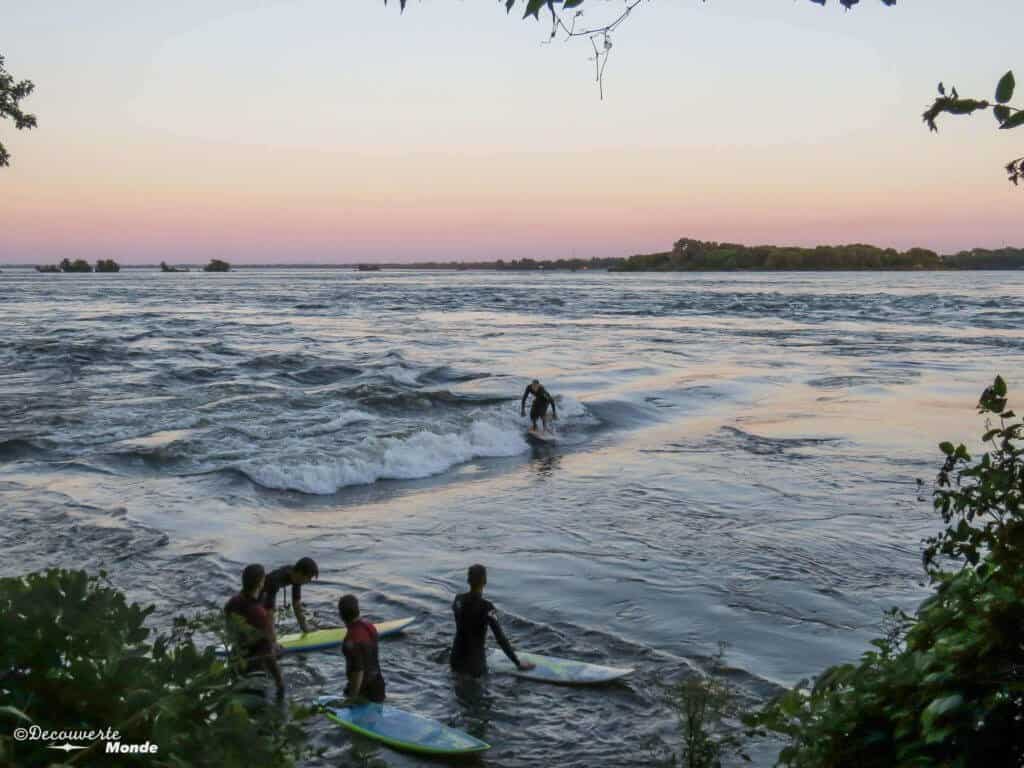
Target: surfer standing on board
362,663
294,576
473,615
252,629
539,410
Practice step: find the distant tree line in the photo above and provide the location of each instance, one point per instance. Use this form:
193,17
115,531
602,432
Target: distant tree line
519,264
980,258
696,255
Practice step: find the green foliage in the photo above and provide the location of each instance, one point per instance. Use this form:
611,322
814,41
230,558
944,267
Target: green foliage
11,94
107,265
981,258
1007,116
216,265
78,265
944,687
695,255
704,705
75,655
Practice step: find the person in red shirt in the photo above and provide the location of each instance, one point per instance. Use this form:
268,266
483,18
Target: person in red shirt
252,630
362,663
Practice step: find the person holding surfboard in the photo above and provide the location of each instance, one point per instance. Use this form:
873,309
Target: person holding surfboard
473,615
362,662
539,410
252,629
303,572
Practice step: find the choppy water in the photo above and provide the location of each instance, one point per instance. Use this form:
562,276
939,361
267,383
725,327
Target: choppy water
738,463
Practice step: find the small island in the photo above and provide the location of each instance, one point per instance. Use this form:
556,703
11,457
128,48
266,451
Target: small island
216,265
80,266
165,268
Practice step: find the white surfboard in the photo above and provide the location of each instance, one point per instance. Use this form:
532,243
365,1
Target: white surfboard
551,669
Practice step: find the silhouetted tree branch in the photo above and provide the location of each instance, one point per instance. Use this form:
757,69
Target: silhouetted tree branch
1006,115
11,93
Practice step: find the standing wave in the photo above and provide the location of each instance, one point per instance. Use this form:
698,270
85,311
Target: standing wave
418,455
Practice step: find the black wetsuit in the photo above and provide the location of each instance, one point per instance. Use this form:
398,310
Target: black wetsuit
275,580
473,615
541,400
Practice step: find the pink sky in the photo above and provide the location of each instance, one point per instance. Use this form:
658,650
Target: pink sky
295,132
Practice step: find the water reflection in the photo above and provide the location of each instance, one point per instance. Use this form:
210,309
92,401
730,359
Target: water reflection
476,703
546,466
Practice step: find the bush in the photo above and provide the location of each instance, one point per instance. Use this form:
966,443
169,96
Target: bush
107,265
78,265
216,265
944,687
705,705
74,655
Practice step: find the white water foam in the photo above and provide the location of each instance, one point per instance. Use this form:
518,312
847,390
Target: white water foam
421,454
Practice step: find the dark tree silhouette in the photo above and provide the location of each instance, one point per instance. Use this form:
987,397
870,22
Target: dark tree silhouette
11,94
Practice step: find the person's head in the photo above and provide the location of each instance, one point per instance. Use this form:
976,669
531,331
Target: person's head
252,579
305,571
534,385
477,577
348,608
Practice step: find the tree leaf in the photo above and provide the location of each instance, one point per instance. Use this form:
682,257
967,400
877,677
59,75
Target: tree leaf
1004,91
1014,122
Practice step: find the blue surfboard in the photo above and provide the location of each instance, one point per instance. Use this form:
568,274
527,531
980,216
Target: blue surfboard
402,730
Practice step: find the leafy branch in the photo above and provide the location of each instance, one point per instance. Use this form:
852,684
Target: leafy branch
600,35
11,93
1006,115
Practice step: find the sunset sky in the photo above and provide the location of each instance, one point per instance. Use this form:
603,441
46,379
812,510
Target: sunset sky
342,131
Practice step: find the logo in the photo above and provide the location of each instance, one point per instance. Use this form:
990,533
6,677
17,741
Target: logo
68,741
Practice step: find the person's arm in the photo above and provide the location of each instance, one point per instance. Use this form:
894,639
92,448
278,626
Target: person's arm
274,669
506,646
355,684
522,405
554,411
356,668
300,615
270,660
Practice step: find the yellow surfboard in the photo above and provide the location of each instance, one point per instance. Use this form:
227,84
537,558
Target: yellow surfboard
321,639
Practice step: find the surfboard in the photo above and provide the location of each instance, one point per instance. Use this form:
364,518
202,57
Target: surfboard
402,730
551,669
541,437
321,639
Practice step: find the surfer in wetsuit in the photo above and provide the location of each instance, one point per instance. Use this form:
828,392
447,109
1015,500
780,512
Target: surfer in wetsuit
362,662
295,576
539,410
473,615
252,629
